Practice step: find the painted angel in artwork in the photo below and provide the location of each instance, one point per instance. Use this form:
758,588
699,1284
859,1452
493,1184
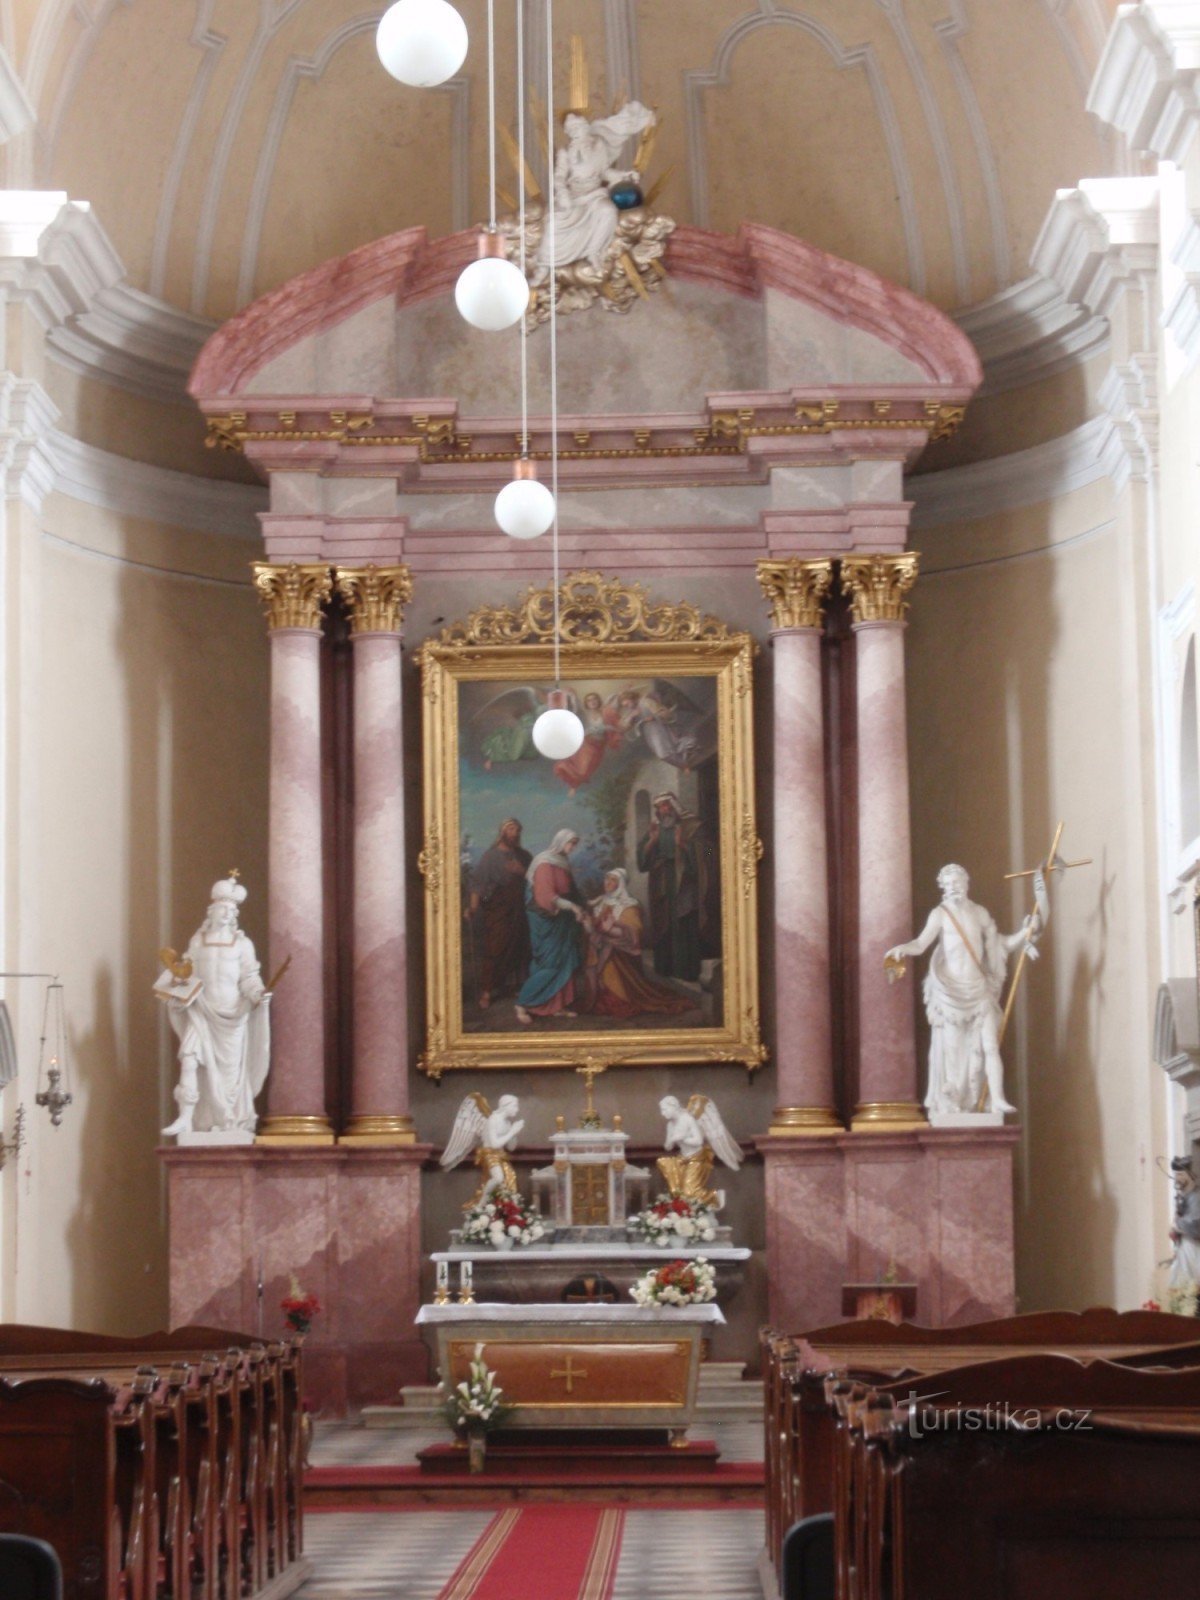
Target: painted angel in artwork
503,728
699,1134
490,1134
667,722
601,734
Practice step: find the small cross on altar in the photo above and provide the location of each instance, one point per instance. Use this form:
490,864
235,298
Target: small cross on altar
568,1372
589,1072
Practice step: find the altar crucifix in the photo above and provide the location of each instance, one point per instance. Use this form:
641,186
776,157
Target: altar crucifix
588,1181
963,989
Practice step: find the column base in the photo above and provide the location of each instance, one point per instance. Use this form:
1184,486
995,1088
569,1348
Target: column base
288,1131
805,1120
383,1132
888,1116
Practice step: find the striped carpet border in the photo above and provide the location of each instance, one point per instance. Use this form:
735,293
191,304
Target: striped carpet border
601,1570
467,1579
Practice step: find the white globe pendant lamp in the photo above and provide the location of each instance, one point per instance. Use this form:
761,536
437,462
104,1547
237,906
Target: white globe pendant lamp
421,42
558,732
492,293
524,507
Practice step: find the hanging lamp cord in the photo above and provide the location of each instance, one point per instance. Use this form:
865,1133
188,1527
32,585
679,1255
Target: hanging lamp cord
553,293
521,222
491,53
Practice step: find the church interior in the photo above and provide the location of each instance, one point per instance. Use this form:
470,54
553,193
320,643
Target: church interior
599,799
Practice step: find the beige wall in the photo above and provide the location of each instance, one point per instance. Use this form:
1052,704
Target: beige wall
142,780
1029,703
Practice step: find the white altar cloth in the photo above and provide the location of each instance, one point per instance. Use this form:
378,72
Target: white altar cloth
518,1314
681,1250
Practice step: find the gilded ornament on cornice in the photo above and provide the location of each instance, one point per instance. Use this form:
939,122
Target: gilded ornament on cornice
376,597
437,439
292,596
876,586
795,590
593,610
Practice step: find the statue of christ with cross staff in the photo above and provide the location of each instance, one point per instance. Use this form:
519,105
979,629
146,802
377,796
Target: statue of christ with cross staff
964,985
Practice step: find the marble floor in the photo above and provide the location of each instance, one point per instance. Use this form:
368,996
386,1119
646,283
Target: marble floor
412,1554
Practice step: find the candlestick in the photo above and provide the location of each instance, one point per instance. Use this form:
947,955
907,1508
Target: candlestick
466,1283
442,1293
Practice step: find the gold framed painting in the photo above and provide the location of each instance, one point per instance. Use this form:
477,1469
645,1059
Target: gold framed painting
602,907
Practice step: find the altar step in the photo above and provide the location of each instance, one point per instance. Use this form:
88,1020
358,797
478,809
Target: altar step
724,1395
603,1455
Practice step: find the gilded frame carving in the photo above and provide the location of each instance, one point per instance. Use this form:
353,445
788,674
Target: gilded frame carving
607,629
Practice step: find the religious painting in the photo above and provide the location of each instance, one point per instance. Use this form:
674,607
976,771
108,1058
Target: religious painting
601,906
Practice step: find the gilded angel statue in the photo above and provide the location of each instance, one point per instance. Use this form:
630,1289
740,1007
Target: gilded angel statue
490,1134
699,1134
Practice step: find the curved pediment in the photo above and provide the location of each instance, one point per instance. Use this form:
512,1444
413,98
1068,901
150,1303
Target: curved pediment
754,312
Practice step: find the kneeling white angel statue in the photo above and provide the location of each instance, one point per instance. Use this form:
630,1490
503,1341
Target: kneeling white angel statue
700,1136
490,1134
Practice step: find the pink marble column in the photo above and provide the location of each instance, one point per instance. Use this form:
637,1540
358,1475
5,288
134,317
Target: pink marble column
380,1115
795,589
887,1086
293,597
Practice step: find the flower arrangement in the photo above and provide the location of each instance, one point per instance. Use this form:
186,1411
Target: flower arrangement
671,1219
478,1401
678,1283
299,1308
502,1221
1183,1300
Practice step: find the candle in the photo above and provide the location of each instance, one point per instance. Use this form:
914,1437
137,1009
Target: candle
466,1277
443,1283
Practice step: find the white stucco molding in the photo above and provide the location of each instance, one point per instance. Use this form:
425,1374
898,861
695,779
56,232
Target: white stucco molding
1098,240
27,418
1098,244
1030,331
1181,316
16,109
155,494
1147,83
56,257
1030,477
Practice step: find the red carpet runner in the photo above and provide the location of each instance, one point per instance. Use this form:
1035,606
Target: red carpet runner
559,1552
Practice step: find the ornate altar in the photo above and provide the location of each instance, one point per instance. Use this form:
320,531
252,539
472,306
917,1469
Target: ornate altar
589,1181
578,1366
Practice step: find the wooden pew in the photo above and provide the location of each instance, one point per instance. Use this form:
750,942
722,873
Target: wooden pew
799,1426
1035,1475
213,1503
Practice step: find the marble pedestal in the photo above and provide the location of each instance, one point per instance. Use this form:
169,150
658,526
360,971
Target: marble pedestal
346,1221
937,1203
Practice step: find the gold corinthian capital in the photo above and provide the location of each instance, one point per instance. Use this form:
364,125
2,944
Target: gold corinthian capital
876,586
376,597
292,596
795,590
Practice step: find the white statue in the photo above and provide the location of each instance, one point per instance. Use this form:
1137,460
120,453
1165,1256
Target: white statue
699,1134
220,1009
585,218
1184,1277
962,992
490,1134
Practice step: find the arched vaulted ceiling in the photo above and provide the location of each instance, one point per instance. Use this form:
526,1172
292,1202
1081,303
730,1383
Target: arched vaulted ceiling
227,145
